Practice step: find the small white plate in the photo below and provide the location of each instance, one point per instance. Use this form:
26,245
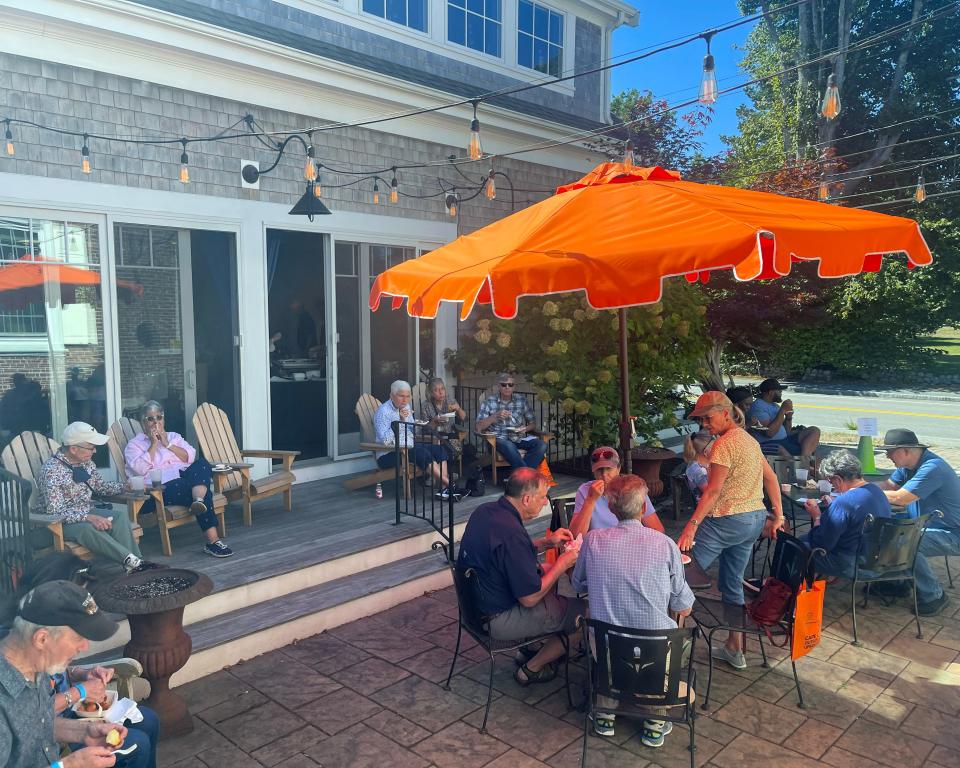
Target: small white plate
221,468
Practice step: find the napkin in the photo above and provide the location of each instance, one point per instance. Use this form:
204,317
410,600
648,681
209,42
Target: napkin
122,711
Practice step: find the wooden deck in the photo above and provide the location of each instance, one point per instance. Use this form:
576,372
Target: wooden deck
327,522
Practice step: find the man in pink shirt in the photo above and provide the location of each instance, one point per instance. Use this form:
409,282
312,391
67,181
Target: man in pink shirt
186,479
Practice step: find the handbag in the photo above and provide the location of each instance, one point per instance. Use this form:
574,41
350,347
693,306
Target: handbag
770,606
807,619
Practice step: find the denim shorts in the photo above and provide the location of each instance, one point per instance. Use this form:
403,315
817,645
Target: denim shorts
730,540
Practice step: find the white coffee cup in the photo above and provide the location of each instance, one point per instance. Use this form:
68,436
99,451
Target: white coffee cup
136,484
802,475
824,486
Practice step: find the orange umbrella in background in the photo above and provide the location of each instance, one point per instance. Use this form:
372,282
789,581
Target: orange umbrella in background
30,272
619,231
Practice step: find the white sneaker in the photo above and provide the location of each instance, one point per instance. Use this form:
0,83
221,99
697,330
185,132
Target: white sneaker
735,659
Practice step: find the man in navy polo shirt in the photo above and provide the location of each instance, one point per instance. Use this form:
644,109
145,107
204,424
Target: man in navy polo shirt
925,478
517,594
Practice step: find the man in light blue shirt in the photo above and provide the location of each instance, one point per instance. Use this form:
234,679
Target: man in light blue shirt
634,576
773,418
924,478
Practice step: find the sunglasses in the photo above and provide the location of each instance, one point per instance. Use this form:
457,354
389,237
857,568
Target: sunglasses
603,454
153,419
506,384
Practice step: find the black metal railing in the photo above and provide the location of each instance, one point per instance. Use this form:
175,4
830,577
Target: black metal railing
564,452
418,493
15,543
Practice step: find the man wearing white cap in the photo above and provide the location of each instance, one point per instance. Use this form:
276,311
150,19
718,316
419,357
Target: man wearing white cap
68,481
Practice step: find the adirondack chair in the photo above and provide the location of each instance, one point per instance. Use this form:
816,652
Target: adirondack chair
496,460
122,432
24,456
418,396
366,407
219,446
16,542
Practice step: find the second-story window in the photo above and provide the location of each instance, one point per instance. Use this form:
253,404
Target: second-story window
475,24
539,38
410,13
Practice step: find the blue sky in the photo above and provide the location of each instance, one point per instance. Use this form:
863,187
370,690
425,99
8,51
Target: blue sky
675,75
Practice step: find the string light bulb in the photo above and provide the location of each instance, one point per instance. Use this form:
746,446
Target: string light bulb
823,191
708,80
309,168
921,193
394,188
830,107
490,190
184,164
629,158
8,135
85,156
475,149
376,193
451,201
317,189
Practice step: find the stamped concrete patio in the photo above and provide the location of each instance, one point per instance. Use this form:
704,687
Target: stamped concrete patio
366,694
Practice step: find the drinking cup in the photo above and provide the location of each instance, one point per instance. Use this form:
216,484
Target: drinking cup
136,484
802,475
824,486
156,477
785,487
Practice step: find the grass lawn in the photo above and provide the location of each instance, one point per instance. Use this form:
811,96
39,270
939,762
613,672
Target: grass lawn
947,339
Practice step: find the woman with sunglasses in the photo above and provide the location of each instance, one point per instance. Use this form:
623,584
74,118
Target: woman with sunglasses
186,479
591,510
730,514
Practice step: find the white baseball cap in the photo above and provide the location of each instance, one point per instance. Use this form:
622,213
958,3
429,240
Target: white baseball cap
81,432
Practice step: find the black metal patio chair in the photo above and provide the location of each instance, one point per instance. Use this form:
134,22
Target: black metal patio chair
792,563
644,671
467,586
887,552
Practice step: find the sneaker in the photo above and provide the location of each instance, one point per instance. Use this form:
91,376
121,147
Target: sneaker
217,549
654,732
603,724
933,607
146,565
734,659
446,493
198,507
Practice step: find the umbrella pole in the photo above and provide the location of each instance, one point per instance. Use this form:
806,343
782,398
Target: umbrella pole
626,447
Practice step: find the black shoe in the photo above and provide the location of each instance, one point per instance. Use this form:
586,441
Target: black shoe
933,607
890,588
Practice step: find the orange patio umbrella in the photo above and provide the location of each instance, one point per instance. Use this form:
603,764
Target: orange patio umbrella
618,232
30,272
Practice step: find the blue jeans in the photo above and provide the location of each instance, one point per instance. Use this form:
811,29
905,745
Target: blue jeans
836,564
423,454
535,447
730,539
144,734
179,492
936,541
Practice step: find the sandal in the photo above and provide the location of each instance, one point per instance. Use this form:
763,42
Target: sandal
525,676
526,653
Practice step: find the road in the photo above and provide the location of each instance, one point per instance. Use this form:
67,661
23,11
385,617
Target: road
935,422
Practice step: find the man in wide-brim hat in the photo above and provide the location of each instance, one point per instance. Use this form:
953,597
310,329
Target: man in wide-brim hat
924,478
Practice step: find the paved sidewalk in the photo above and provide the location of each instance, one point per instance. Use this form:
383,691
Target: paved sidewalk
366,695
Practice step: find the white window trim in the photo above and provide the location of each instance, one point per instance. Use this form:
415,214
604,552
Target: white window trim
569,40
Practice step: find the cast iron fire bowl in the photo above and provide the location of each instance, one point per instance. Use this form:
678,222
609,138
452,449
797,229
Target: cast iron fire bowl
154,591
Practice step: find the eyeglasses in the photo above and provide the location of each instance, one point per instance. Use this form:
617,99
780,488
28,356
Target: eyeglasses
87,447
506,384
153,419
603,454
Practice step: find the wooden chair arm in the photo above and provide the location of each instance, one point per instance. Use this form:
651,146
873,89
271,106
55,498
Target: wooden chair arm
379,447
286,456
54,525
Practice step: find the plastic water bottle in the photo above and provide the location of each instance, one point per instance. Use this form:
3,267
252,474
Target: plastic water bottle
379,492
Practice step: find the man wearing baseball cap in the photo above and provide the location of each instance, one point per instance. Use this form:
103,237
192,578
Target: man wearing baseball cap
55,622
924,478
775,417
67,482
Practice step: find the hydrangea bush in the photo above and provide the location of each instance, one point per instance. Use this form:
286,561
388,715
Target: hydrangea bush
570,352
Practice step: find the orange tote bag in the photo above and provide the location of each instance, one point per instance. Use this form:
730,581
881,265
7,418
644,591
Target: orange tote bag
807,619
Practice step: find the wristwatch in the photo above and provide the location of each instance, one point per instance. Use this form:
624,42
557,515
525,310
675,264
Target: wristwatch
69,698
694,522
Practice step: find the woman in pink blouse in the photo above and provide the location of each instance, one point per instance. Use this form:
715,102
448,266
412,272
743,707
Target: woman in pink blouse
186,478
